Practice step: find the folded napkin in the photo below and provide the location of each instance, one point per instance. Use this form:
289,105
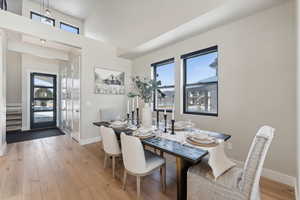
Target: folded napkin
143,132
218,161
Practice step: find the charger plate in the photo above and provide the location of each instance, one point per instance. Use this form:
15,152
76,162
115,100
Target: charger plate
196,143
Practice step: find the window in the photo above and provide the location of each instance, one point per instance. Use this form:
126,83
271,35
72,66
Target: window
164,71
43,19
69,28
200,86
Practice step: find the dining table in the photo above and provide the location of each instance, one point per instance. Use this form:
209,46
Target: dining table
186,155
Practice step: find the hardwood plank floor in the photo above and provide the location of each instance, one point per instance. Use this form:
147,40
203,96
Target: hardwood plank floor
57,168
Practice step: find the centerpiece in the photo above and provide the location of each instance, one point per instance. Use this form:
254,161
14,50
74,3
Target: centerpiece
144,89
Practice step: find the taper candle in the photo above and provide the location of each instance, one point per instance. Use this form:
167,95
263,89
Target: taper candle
132,105
173,113
128,106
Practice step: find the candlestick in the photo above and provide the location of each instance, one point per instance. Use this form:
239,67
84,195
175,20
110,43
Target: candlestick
165,117
157,119
173,122
137,117
128,117
132,117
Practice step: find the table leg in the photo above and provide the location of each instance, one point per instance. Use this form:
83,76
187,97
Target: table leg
181,175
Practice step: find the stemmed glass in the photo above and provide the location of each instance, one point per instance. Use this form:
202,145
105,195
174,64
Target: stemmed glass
189,125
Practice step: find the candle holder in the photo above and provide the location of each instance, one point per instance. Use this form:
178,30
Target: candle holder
128,117
165,118
132,117
137,117
173,122
157,119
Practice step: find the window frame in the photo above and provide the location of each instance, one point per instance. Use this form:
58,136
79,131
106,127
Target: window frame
42,16
184,59
75,27
154,67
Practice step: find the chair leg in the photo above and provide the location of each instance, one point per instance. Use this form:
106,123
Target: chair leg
105,160
124,179
138,186
163,178
113,165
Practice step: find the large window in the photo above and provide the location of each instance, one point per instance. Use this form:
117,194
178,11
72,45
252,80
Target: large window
43,19
200,86
164,71
69,28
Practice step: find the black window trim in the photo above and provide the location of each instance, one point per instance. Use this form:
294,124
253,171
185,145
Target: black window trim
75,27
191,55
38,14
154,66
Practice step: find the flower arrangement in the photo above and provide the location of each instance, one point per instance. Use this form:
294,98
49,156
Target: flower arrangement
144,88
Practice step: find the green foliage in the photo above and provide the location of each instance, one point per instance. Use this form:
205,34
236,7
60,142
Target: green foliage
132,94
145,88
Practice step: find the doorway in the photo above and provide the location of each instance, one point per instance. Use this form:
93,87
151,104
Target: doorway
43,93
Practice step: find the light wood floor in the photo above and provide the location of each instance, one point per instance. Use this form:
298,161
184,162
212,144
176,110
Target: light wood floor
58,168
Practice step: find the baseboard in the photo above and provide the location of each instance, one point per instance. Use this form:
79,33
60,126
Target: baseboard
3,149
90,140
279,177
275,176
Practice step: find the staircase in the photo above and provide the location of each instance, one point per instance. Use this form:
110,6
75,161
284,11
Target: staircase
13,118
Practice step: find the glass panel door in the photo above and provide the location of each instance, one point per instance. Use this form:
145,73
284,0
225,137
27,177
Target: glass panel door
43,100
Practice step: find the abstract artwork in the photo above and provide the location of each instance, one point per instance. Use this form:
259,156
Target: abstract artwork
109,82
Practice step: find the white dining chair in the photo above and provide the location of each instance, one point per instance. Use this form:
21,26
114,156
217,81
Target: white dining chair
139,162
111,146
237,183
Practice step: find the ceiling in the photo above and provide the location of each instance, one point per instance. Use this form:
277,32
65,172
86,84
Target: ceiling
139,26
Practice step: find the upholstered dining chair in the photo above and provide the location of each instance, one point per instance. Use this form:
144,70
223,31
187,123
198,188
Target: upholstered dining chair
237,183
139,162
111,146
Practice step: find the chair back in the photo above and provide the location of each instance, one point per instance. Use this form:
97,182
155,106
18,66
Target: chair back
110,142
133,154
255,160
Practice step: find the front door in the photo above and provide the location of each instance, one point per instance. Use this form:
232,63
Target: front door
43,100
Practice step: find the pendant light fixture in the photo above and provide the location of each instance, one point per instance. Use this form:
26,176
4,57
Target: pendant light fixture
45,9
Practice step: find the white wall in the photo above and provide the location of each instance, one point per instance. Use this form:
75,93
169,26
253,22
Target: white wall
37,50
3,47
58,16
13,78
33,64
98,56
298,99
257,82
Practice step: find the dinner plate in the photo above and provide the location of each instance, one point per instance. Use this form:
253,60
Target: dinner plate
202,138
201,144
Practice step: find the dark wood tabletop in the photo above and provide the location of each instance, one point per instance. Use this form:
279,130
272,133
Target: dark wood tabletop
189,153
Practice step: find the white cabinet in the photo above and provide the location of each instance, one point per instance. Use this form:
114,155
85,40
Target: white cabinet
70,96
